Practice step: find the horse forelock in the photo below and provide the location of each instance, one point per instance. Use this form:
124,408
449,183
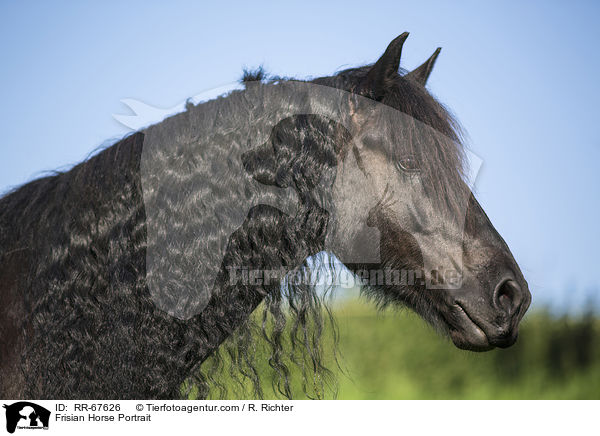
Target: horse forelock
428,132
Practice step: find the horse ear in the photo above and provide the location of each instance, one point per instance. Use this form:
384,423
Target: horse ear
421,73
386,67
260,163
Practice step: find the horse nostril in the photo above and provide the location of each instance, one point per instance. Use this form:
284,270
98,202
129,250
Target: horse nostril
508,295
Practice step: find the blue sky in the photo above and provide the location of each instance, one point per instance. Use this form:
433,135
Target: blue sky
522,77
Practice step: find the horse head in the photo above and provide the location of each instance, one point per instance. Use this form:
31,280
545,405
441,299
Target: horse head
392,167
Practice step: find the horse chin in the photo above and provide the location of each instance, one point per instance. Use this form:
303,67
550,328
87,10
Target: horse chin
465,333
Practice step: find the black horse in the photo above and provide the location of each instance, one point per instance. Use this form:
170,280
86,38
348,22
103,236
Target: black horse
119,277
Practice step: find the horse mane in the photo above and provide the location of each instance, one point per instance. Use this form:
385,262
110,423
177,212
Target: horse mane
77,242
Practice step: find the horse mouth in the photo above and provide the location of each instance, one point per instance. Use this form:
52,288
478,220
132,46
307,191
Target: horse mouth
465,333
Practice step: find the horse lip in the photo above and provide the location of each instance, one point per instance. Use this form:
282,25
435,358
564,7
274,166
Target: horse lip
468,335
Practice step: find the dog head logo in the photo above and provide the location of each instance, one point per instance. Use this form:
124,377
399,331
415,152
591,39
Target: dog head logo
26,415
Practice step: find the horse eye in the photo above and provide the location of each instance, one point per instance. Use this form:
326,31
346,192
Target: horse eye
409,164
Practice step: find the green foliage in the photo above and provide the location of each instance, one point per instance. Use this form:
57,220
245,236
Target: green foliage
395,355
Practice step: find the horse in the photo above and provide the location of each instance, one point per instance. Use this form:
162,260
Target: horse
198,234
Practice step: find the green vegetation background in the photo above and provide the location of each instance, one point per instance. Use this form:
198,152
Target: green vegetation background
395,355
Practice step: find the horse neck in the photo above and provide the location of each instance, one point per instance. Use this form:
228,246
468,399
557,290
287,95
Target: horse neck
284,241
